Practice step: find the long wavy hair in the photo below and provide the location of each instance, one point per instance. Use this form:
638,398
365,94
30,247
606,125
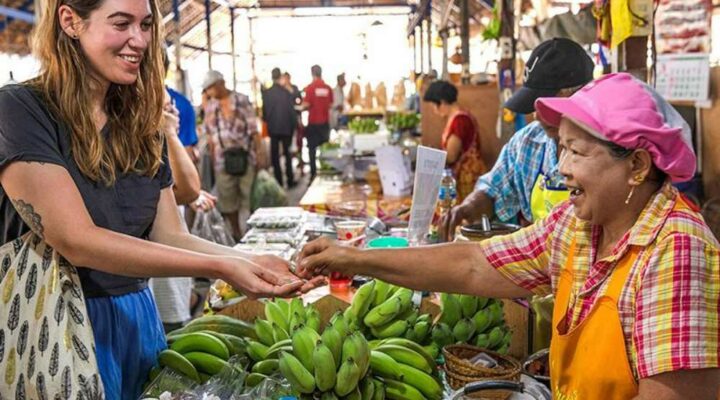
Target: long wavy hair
134,112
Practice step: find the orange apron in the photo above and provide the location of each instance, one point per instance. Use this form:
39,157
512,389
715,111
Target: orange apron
590,361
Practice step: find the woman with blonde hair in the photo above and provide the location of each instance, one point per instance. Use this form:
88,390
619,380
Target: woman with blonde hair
83,165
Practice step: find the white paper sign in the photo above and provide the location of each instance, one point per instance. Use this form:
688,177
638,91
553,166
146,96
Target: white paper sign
428,173
395,171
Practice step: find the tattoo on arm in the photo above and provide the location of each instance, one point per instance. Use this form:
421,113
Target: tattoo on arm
30,216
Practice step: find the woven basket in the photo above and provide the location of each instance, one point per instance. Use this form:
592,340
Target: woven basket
459,371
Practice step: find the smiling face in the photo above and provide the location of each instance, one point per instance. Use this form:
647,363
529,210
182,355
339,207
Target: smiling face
114,38
598,182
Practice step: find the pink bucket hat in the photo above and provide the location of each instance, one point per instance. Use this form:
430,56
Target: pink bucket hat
621,109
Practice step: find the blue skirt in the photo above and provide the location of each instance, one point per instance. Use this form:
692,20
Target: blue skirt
128,337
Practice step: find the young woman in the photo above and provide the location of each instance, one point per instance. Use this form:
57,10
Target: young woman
83,165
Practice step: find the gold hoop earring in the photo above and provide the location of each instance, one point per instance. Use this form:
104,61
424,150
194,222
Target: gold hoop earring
632,190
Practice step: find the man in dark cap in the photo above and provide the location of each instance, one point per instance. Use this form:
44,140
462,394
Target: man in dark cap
525,181
279,114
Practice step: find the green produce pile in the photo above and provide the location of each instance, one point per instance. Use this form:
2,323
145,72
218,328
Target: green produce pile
379,347
402,121
474,320
363,125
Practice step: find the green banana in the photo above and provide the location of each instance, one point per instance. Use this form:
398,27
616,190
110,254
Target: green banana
170,339
351,319
363,347
275,353
348,377
396,390
392,329
468,304
433,350
256,350
221,324
362,300
355,394
392,290
264,332
422,330
424,318
382,290
338,321
303,343
375,343
253,379
275,314
367,388
410,315
206,363
328,396
350,348
230,342
284,306
407,356
442,335
299,377
464,330
295,323
451,309
421,381
313,320
482,341
279,334
297,306
176,361
482,319
384,313
496,311
379,390
410,335
415,347
482,302
282,343
383,365
202,342
504,349
332,339
325,370
266,367
495,337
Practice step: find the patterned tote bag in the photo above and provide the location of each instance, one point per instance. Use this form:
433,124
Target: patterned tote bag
47,349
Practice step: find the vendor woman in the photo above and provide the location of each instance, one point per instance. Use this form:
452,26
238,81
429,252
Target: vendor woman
83,165
632,265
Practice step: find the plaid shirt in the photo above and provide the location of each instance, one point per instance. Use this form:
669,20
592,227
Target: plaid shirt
510,183
237,131
670,304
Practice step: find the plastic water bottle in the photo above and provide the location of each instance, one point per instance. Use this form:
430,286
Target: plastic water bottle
446,200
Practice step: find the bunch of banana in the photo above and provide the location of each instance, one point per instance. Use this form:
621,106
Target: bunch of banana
200,355
332,365
408,370
383,311
474,320
220,324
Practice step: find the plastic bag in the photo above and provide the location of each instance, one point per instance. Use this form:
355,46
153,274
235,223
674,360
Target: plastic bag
266,192
168,383
211,226
272,388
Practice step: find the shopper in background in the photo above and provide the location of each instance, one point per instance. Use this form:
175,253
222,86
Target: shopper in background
299,128
236,146
281,118
83,166
318,101
461,137
525,180
338,105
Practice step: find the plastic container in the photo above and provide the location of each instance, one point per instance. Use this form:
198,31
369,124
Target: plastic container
387,242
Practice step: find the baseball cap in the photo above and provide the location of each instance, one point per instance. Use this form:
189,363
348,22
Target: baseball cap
553,65
621,109
211,77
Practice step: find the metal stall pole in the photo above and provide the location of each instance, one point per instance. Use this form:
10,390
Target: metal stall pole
465,39
232,47
422,52
254,80
179,81
428,11
209,36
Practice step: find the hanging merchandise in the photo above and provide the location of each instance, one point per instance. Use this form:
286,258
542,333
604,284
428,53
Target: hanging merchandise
630,18
683,26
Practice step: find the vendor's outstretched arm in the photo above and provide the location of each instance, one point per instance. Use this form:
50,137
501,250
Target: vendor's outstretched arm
454,268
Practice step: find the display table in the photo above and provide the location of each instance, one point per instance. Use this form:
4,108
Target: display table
328,195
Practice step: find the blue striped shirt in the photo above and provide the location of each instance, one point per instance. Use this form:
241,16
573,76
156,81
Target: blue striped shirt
510,183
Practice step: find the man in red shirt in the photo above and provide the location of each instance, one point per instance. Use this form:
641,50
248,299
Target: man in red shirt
318,101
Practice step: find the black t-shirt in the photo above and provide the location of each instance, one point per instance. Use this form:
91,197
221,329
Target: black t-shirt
28,132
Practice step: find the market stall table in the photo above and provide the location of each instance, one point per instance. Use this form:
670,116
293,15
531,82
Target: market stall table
332,197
